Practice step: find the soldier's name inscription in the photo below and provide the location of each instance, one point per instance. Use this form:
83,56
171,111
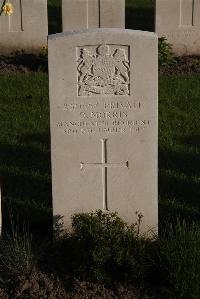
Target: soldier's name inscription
103,117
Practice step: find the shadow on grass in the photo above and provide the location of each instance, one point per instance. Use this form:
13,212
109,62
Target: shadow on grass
26,182
179,180
140,19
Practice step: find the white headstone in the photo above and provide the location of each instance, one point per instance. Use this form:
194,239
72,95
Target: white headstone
179,22
26,28
84,14
103,102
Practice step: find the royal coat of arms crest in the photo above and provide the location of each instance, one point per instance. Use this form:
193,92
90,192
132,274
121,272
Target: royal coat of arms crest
103,70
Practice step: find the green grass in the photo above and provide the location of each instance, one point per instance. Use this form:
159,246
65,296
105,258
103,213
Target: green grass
179,146
24,145
179,260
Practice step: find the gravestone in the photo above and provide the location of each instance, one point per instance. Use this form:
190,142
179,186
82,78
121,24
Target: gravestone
26,29
85,14
103,103
179,22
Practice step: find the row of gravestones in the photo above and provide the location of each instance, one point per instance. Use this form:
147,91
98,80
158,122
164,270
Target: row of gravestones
27,27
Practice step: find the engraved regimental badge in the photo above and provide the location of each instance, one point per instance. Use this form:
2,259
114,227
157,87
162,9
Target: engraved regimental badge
103,70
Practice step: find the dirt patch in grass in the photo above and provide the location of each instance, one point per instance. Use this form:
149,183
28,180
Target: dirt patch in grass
25,63
182,65
22,63
9,68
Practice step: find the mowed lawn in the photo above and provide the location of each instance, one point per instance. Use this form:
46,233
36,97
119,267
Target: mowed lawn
179,146
25,160
25,165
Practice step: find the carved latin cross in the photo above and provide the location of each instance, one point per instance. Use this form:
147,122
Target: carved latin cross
103,165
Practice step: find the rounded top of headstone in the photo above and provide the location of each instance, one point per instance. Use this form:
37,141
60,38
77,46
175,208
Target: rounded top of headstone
99,31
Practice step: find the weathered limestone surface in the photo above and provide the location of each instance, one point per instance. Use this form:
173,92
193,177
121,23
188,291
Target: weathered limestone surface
179,22
85,14
26,29
103,102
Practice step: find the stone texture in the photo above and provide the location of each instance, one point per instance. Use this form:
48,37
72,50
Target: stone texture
179,22
26,29
84,14
103,103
